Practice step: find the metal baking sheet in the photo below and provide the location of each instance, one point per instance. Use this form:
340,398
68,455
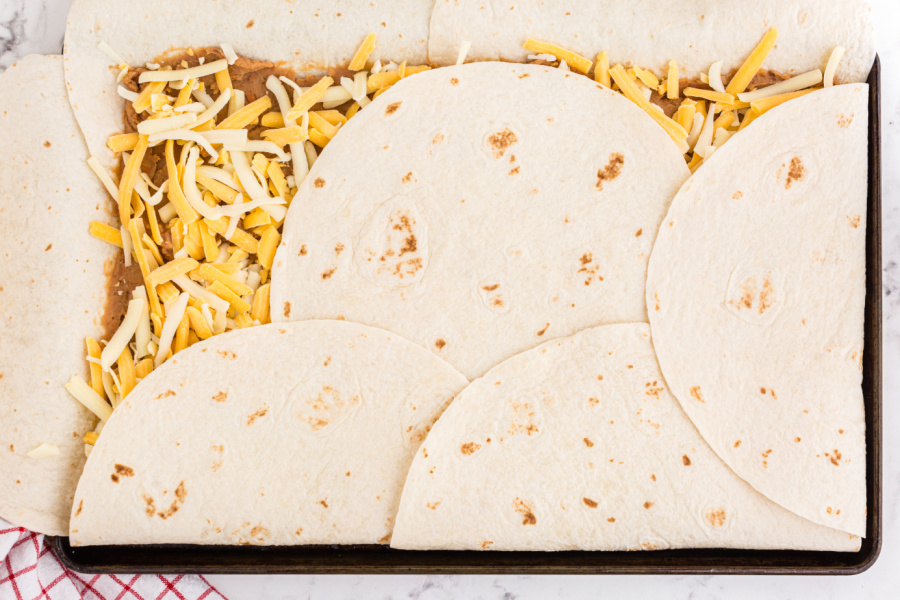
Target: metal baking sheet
381,559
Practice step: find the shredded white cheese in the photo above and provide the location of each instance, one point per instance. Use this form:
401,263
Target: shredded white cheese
230,55
793,84
150,126
174,313
833,62
123,334
116,58
715,77
463,52
184,74
88,397
44,451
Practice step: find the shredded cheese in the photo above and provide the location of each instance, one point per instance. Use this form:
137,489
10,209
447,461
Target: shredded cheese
183,74
45,450
574,60
784,87
88,397
833,61
358,62
751,66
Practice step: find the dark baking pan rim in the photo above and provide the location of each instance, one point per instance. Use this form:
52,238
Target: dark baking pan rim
380,559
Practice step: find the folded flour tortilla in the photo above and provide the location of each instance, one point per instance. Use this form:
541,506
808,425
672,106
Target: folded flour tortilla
480,210
756,295
282,434
649,33
577,444
52,293
304,35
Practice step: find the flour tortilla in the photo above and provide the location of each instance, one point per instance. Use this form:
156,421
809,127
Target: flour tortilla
307,35
578,445
52,292
480,210
650,33
288,434
756,292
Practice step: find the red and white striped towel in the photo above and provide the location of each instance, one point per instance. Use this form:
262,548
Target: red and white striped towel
30,571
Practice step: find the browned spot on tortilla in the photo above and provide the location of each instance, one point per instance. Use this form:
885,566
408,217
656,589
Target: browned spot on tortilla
409,245
165,394
544,330
501,141
611,519
260,413
220,396
497,301
795,172
737,195
797,439
303,250
612,170
47,144
438,138
590,503
48,247
841,431
469,448
150,509
593,401
485,544
408,177
12,448
385,539
524,75
715,517
696,395
523,509
588,443
122,471
432,505
440,343
834,457
260,532
327,361
514,171
765,296
180,496
327,274
490,288
854,221
287,310
338,248
250,24
227,354
392,108
844,121
319,182
80,506
652,476
648,504
737,443
454,81
685,460
639,232
324,502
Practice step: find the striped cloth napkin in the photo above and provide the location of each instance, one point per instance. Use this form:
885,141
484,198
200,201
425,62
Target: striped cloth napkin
30,571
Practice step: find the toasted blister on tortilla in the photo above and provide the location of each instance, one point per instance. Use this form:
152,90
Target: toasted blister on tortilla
480,210
649,33
578,445
53,291
303,35
283,434
756,293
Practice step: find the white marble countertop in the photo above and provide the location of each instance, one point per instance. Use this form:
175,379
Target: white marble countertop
37,26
